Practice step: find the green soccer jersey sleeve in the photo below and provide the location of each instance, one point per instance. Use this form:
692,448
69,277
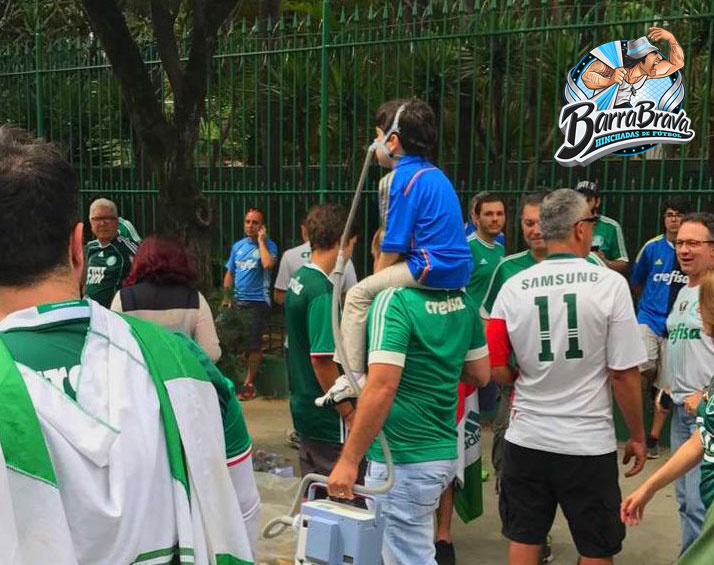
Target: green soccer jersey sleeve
319,325
608,236
494,286
477,348
389,329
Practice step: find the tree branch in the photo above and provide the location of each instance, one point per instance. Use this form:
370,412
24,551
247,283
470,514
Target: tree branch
162,22
109,24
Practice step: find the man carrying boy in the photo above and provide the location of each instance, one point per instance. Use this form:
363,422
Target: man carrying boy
422,221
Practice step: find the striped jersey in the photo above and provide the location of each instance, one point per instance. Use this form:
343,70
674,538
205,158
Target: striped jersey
690,352
705,423
127,230
607,236
430,334
107,267
568,322
486,257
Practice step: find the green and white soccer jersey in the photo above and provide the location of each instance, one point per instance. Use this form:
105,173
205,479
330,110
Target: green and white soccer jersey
607,235
512,265
54,349
430,333
690,352
52,345
127,230
107,267
308,307
705,423
508,267
148,458
486,257
569,322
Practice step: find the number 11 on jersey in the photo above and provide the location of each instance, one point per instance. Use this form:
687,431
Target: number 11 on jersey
546,351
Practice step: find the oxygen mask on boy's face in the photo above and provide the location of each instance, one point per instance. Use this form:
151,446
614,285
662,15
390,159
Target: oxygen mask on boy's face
381,144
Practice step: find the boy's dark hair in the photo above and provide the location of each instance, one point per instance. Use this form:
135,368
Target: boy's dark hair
38,207
532,199
417,124
704,218
325,223
678,204
487,198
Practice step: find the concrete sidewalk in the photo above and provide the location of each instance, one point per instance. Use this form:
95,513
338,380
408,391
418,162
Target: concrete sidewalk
656,542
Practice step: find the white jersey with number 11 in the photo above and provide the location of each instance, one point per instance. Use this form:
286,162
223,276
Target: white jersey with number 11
568,321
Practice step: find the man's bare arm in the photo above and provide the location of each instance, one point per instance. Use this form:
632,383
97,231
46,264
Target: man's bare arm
375,401
477,372
676,53
598,75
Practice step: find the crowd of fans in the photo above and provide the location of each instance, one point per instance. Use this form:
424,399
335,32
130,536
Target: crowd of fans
551,331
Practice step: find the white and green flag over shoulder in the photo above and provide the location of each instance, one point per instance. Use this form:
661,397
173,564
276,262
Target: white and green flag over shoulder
133,471
468,495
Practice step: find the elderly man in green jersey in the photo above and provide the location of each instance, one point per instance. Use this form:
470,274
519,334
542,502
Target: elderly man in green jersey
411,395
109,256
311,368
109,425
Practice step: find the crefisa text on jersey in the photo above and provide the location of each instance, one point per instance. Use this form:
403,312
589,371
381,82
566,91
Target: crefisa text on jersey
591,133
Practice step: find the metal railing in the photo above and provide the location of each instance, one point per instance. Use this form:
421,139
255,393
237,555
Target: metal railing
290,108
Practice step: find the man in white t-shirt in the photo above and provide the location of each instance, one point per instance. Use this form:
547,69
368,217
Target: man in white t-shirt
573,330
296,257
690,359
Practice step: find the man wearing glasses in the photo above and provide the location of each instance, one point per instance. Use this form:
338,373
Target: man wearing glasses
690,358
656,279
109,256
570,325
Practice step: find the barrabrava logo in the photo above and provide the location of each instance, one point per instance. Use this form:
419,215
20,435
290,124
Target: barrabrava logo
623,98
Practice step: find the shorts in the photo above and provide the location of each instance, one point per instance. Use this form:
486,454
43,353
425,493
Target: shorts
655,346
533,483
320,457
253,318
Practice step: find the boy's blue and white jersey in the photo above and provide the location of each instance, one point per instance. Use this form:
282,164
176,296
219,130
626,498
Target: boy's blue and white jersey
656,270
424,223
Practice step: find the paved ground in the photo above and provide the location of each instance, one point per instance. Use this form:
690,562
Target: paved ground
480,542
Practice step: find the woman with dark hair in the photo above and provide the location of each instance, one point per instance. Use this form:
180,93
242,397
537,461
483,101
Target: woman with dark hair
161,288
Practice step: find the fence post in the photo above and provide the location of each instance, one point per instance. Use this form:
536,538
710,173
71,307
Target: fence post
323,97
39,103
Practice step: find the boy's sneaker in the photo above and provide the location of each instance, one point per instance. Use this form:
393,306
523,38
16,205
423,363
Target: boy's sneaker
652,447
445,553
293,439
546,551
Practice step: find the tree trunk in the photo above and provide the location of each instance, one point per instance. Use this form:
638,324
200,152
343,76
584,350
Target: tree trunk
184,211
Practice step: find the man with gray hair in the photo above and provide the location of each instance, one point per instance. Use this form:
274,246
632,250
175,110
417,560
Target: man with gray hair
573,330
109,256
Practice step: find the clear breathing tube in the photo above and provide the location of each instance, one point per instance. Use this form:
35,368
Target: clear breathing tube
276,526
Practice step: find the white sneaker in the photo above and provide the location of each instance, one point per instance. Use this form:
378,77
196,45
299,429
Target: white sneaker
340,391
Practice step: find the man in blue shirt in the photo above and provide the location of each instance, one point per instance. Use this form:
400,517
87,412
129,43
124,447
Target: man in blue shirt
655,277
246,286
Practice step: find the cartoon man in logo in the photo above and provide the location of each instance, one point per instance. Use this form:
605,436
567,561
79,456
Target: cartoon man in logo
640,60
